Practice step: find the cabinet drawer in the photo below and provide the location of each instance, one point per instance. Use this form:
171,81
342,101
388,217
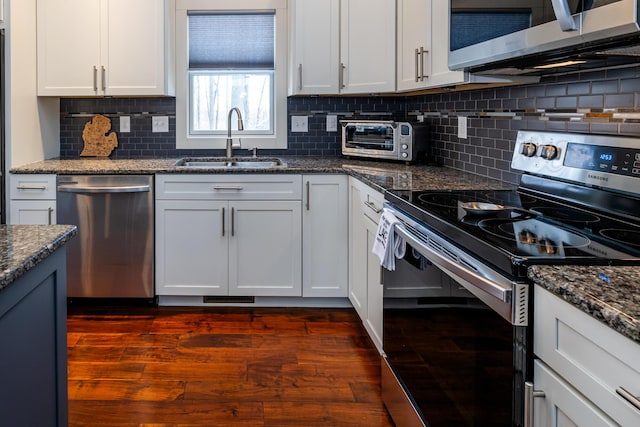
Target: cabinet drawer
33,187
592,357
229,187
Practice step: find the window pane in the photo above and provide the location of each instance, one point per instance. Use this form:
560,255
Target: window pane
214,93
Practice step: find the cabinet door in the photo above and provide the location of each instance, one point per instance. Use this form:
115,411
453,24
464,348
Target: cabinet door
315,38
325,251
414,44
68,47
33,212
192,247
367,45
439,72
375,292
562,405
133,47
357,250
265,248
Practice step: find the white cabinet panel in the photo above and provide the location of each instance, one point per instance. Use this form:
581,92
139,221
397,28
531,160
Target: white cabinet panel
562,405
265,248
594,359
345,46
365,275
315,38
325,250
32,199
191,247
104,47
41,212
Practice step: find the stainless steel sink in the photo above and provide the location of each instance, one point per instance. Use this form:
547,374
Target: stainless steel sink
234,163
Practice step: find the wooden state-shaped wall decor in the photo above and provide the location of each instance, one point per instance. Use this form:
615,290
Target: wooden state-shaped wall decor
98,138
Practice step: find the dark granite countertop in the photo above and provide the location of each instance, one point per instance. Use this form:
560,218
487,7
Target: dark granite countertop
380,175
609,294
22,247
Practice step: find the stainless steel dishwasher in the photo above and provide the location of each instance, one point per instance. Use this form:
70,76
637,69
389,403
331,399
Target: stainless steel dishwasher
112,256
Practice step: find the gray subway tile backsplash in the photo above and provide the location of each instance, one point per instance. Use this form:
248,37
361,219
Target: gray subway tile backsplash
604,101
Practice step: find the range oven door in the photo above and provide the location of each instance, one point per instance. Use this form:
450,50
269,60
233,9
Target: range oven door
451,359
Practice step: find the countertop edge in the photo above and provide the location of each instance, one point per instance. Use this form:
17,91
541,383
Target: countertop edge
36,256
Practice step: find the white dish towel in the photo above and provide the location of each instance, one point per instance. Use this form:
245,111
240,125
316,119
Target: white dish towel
388,244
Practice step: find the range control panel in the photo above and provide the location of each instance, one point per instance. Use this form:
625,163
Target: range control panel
598,160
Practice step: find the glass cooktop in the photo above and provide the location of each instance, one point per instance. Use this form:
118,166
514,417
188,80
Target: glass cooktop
511,229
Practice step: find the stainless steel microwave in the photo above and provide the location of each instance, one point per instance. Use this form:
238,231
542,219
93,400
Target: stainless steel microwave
390,140
494,36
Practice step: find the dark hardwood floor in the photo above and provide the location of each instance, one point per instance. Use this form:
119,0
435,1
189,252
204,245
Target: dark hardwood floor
142,366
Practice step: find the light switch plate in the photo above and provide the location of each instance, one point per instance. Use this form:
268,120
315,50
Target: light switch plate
299,124
125,124
462,127
160,124
332,123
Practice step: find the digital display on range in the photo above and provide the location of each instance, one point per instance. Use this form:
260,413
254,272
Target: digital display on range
616,160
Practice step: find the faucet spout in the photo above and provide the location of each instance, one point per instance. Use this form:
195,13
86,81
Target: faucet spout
240,127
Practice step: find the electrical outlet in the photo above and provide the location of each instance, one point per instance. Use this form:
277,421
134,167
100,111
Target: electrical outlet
462,127
160,124
299,124
125,124
332,123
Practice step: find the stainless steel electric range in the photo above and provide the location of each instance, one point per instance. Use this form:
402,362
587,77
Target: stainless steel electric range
463,359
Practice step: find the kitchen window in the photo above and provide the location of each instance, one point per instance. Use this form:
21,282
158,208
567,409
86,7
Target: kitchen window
230,55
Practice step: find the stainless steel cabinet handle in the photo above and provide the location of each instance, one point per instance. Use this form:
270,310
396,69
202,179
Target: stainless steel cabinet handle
227,187
222,222
422,55
341,76
50,213
417,62
372,206
300,77
233,222
122,189
634,400
104,79
95,78
31,187
529,395
308,196
563,15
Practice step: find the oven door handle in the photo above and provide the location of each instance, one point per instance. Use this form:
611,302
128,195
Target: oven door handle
503,293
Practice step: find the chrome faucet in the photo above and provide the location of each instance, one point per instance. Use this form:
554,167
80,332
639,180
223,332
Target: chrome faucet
240,127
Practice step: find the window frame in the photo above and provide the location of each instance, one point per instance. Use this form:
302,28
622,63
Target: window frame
277,140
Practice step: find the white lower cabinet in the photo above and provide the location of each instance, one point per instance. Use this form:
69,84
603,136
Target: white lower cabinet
562,405
582,369
228,235
265,253
325,224
32,199
192,255
365,289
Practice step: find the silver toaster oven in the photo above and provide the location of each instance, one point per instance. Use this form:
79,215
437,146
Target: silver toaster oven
390,140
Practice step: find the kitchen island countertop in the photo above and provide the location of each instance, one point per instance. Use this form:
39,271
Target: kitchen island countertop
378,174
609,294
22,247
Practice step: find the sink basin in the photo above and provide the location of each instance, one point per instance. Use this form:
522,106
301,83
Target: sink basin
234,163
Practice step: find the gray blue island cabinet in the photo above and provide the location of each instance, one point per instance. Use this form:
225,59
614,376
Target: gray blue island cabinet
33,342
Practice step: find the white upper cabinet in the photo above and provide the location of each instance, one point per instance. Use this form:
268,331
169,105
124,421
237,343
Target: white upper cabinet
105,47
315,36
367,46
342,46
423,49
